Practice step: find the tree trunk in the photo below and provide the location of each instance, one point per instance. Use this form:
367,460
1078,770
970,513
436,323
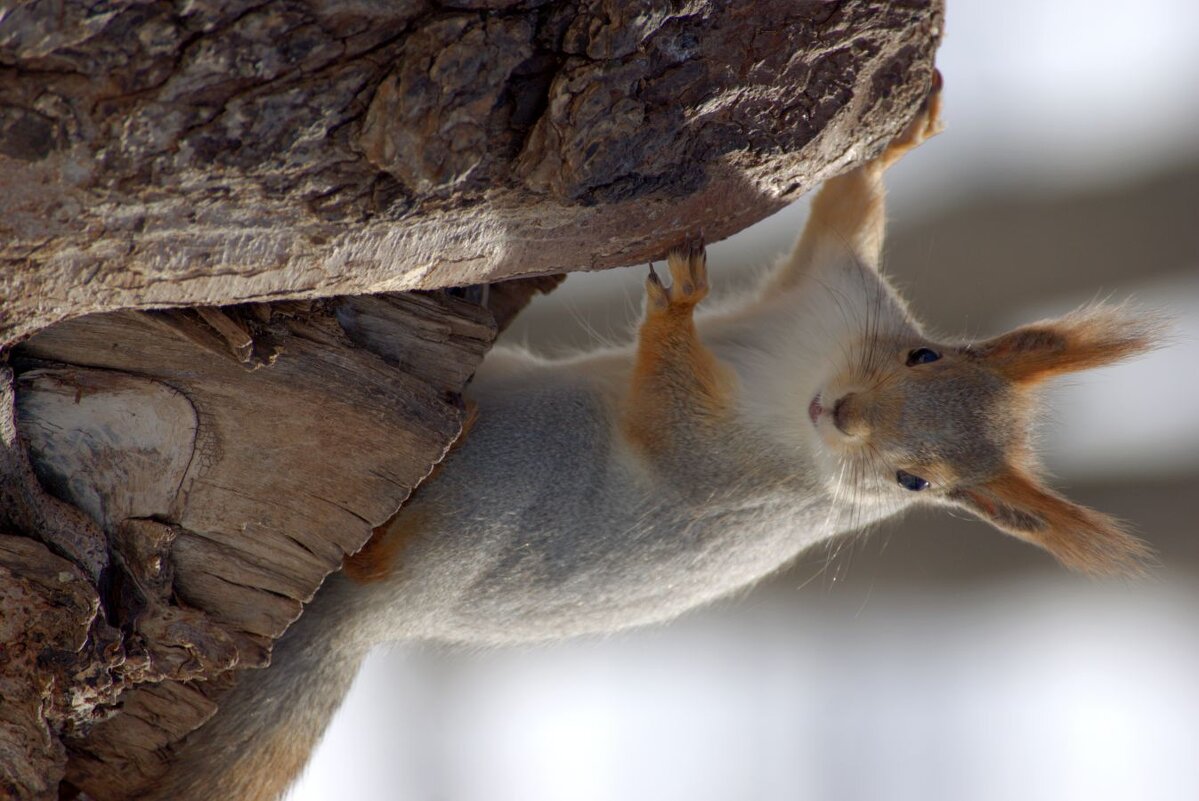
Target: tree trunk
201,412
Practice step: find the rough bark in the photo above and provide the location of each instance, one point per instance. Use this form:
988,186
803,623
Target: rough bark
201,413
206,153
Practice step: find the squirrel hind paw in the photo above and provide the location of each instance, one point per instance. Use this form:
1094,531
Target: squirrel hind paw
688,274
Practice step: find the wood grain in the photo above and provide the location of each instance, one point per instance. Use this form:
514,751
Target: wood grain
226,495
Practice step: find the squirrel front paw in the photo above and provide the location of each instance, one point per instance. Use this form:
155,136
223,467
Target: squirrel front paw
688,280
925,125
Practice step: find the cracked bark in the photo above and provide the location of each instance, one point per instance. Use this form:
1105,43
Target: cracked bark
197,198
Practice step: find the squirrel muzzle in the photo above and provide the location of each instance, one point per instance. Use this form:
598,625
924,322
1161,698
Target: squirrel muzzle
849,416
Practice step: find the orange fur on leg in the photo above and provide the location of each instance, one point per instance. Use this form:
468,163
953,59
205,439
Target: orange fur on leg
676,380
847,213
378,558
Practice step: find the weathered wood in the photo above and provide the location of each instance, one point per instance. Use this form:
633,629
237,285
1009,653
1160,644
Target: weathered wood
224,495
507,298
48,606
124,752
236,336
183,154
26,507
117,445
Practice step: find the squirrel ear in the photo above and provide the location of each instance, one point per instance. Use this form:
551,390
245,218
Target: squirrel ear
1089,337
1078,537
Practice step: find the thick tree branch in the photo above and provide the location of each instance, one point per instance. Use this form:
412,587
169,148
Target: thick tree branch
204,154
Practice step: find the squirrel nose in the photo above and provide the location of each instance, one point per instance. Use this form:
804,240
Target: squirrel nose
848,417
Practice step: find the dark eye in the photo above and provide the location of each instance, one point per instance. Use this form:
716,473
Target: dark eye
922,356
911,482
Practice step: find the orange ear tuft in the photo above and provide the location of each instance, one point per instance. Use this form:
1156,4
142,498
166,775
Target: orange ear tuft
1090,337
1078,537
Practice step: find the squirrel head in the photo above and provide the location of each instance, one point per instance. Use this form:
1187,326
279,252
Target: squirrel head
909,420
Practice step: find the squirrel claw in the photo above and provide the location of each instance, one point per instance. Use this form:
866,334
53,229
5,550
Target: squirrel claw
658,295
688,277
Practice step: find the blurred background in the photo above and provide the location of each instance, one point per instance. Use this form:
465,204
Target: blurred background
936,659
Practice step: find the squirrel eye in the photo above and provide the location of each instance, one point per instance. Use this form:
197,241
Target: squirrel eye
911,482
922,356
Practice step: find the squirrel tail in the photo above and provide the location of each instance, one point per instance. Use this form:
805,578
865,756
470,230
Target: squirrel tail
260,739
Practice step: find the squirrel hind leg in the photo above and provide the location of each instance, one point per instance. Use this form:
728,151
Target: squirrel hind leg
688,265
677,383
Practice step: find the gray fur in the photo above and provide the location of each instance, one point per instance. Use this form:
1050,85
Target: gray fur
544,524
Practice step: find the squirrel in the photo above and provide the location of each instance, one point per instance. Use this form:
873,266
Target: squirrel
622,487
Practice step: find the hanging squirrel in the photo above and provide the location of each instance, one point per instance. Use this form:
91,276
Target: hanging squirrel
625,486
